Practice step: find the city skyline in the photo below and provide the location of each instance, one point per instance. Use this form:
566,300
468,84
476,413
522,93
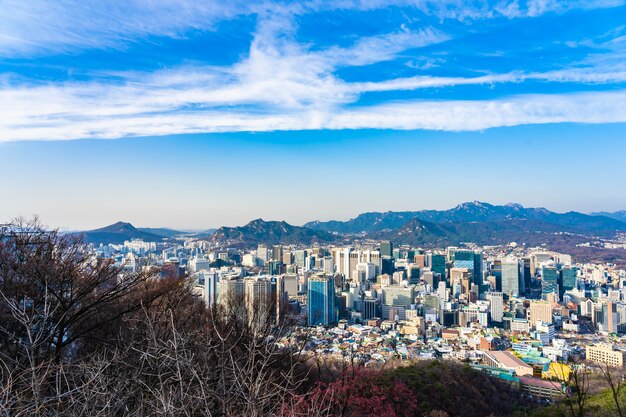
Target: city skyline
226,113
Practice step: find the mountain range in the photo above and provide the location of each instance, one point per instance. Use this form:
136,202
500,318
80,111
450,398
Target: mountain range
119,232
477,212
617,215
476,222
269,232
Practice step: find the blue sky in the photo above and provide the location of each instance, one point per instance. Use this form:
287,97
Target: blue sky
222,112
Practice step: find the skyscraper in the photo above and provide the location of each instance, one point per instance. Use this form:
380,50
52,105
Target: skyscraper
496,306
510,277
386,248
321,300
472,261
437,263
277,253
568,279
549,280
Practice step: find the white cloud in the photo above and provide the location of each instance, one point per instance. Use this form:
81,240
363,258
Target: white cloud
42,26
35,27
280,85
110,121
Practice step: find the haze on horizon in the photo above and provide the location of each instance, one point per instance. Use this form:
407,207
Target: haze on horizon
223,113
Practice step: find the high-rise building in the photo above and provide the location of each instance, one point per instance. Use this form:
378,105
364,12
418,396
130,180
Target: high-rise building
568,279
510,277
398,295
525,277
321,300
371,308
386,249
207,282
496,306
291,284
277,253
300,258
462,277
258,297
437,263
549,281
471,260
420,260
287,258
262,253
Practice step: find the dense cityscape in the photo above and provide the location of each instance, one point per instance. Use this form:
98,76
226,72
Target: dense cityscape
354,208
526,315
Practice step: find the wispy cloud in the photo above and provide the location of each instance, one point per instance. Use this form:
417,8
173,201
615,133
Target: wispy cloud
40,26
280,83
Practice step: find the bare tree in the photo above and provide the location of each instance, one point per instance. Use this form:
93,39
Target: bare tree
614,377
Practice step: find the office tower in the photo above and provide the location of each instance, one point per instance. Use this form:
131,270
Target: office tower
368,271
328,265
420,260
279,295
373,257
437,263
433,302
442,291
387,266
231,290
510,277
353,261
450,253
457,275
321,300
398,295
207,280
386,249
291,284
549,281
262,253
398,277
258,297
277,253
609,317
273,267
568,278
413,273
396,299
525,277
496,306
540,310
472,261
287,258
371,308
300,258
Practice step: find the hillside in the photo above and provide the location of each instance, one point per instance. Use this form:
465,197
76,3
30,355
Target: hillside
617,215
161,231
268,232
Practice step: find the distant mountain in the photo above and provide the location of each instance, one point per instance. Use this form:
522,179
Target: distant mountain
617,215
161,231
476,212
427,234
269,232
117,233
